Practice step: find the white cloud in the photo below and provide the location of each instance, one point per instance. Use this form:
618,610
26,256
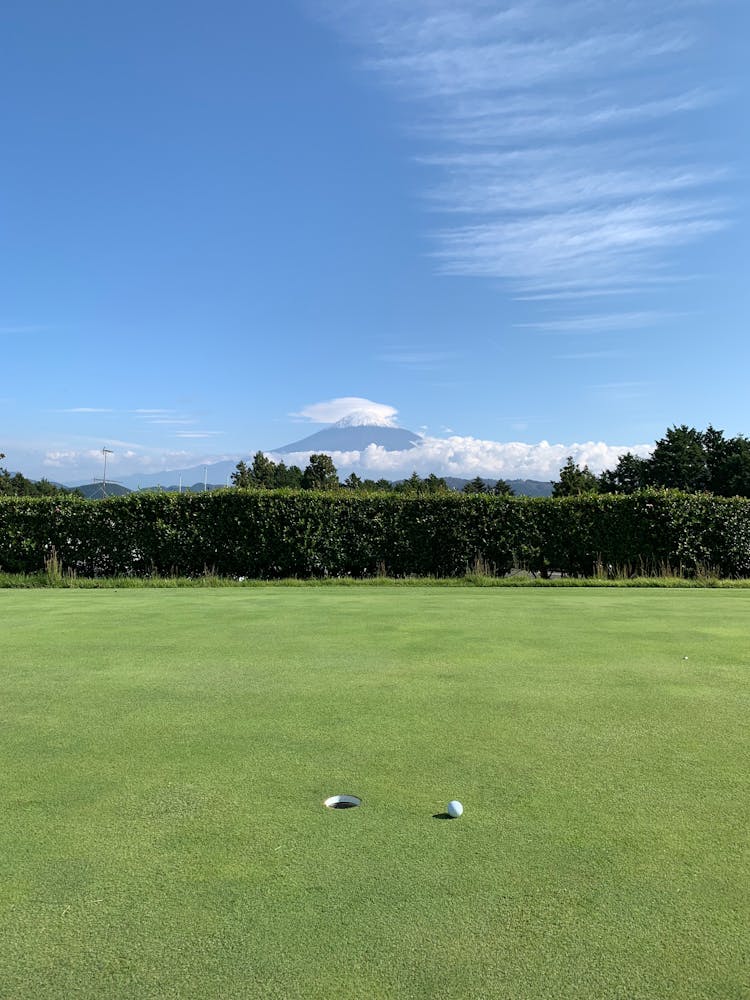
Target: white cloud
504,98
7,330
599,323
198,434
581,247
332,410
558,178
165,417
173,420
72,463
454,455
467,457
87,409
71,458
417,360
68,458
550,117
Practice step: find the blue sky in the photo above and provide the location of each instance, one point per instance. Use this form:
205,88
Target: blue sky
519,227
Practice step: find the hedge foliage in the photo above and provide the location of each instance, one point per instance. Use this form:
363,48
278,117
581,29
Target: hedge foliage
276,534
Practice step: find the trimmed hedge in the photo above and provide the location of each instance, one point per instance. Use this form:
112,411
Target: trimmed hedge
287,533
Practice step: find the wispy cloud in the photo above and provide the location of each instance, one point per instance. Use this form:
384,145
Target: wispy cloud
87,461
599,322
607,386
164,417
87,409
63,458
417,360
21,328
645,284
198,434
589,355
615,391
559,178
603,246
173,420
550,127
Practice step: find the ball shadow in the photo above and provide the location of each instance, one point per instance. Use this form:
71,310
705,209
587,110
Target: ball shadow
441,816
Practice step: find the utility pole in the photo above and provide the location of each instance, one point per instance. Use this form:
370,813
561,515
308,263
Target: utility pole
105,452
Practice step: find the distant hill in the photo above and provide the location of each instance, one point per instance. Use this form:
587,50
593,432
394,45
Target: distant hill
169,481
530,487
95,491
520,487
176,488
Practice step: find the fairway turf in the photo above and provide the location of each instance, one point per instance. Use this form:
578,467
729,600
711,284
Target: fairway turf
164,757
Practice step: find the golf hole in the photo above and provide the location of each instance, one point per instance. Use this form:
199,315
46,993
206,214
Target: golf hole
342,802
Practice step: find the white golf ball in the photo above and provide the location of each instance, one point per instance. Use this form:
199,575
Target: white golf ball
454,809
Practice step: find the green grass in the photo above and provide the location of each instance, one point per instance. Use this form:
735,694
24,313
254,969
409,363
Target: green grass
164,755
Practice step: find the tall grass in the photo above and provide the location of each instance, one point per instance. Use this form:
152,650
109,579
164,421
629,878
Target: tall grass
55,576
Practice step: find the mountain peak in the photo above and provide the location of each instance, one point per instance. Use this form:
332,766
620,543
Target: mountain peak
355,432
365,418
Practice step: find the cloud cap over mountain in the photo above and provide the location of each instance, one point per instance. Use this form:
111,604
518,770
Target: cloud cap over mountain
360,424
349,411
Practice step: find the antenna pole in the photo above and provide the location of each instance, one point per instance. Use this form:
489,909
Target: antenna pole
105,452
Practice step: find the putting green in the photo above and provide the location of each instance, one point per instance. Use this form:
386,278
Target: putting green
165,755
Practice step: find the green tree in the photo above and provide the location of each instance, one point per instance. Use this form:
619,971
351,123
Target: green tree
502,489
379,486
263,471
241,476
320,474
414,485
574,481
435,484
629,475
352,482
728,461
476,485
17,485
288,476
260,475
679,461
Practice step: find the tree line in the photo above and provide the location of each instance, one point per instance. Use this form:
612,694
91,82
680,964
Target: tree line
17,485
321,474
684,459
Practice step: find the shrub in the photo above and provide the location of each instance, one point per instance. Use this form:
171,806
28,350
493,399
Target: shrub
273,534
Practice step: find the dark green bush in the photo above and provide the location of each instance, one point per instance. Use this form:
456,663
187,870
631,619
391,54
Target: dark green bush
287,533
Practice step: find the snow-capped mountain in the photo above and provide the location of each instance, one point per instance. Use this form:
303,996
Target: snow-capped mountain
354,432
365,418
